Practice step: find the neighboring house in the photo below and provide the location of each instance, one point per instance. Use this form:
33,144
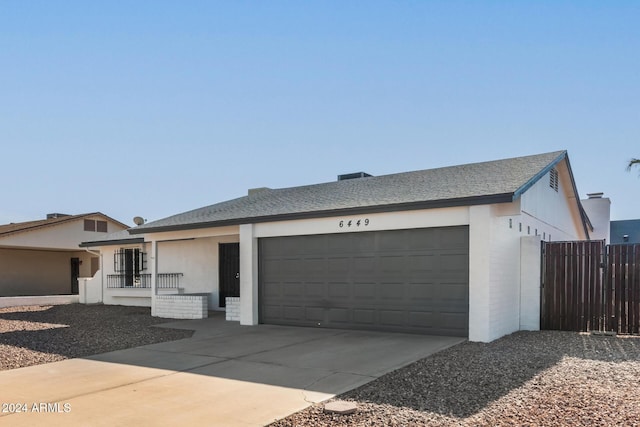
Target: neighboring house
42,257
625,231
447,251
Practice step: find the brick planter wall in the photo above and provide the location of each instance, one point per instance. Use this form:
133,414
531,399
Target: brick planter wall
183,306
233,309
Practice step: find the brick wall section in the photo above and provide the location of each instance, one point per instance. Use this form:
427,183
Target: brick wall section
233,309
182,306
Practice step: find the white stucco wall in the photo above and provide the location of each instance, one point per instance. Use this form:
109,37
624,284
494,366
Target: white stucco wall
479,273
552,212
116,296
443,217
494,272
198,261
90,289
504,265
504,272
540,213
248,275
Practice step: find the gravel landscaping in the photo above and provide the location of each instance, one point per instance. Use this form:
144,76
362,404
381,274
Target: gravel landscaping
546,378
41,334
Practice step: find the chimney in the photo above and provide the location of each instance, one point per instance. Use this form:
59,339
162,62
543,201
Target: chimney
598,209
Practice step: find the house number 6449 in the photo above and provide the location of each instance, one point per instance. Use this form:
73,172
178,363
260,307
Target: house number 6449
354,223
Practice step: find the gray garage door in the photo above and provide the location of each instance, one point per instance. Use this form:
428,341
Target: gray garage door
402,280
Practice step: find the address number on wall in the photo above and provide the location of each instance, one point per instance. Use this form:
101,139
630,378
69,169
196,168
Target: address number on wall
353,223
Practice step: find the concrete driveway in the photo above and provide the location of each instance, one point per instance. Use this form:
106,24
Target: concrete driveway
225,375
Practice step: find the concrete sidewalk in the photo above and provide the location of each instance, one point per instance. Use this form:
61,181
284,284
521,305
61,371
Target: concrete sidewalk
225,375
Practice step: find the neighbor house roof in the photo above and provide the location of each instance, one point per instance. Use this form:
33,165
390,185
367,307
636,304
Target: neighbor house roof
19,227
620,229
477,183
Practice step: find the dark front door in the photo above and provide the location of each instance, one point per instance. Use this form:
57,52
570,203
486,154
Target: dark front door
75,273
129,266
229,271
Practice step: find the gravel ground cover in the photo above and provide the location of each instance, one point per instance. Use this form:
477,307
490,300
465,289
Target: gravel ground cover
546,378
32,335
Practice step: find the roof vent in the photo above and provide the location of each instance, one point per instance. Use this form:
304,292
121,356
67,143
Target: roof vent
595,195
253,191
56,215
355,175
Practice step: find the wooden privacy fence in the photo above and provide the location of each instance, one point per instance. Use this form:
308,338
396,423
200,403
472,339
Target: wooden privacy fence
590,286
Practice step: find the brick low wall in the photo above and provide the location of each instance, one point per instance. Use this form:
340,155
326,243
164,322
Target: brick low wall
232,309
182,306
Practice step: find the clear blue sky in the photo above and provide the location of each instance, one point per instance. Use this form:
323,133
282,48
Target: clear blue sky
153,108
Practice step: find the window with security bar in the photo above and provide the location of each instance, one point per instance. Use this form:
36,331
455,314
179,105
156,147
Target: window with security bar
130,263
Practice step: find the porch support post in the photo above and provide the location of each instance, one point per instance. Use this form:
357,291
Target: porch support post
153,268
248,276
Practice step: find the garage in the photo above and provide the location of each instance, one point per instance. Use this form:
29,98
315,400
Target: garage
414,280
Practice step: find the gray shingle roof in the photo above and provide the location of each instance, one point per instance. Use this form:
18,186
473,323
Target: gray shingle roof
476,183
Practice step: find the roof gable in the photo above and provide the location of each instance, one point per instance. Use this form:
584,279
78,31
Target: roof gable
18,227
495,181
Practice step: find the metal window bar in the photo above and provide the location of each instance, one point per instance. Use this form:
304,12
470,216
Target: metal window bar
168,280
124,281
129,259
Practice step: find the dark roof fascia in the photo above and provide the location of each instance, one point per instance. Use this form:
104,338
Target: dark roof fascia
586,222
527,185
112,242
42,224
360,210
